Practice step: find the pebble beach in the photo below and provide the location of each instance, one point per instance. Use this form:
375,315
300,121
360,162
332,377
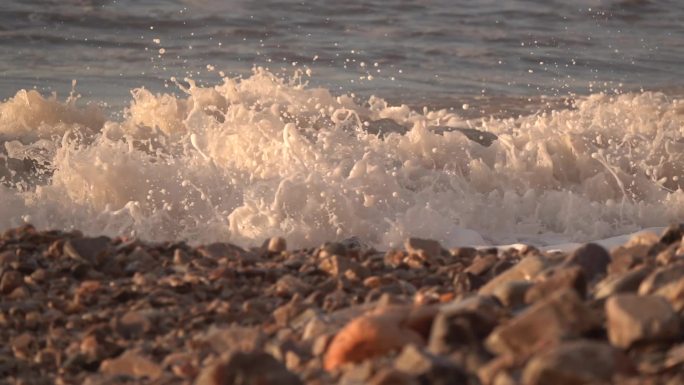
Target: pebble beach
100,310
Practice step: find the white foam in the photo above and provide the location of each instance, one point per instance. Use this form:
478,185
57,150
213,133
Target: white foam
264,156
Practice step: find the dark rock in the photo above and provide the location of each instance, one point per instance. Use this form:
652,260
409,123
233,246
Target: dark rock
457,329
592,258
672,234
426,248
249,368
10,280
88,250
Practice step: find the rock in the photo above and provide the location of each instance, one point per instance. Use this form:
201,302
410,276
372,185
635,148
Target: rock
591,258
92,251
234,338
428,369
135,324
667,282
672,234
512,294
247,368
10,280
23,345
572,363
631,319
335,265
555,279
482,264
132,364
329,249
276,245
426,248
623,259
389,376
547,322
526,269
621,283
289,285
466,328
377,333
220,250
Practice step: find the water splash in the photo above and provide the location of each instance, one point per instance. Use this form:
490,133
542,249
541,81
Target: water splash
262,156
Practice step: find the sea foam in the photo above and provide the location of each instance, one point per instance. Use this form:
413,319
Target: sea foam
263,156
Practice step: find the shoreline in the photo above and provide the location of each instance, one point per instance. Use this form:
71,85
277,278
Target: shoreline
99,310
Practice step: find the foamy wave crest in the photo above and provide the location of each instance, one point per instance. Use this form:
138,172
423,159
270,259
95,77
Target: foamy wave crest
264,156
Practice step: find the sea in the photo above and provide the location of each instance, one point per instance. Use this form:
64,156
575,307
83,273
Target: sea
541,122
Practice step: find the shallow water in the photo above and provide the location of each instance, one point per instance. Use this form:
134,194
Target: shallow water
526,121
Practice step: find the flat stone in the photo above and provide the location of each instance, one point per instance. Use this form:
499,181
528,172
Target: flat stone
428,248
131,364
243,368
593,259
631,319
547,322
567,364
88,250
526,269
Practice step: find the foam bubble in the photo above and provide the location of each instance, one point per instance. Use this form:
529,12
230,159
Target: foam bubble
262,156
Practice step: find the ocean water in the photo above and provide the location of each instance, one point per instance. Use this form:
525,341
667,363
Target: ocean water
489,122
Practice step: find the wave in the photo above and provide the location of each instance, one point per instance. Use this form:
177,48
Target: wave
266,156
